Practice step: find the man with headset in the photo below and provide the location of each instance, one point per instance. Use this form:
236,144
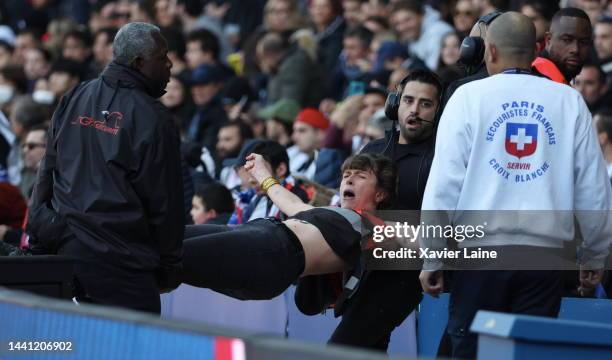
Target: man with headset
414,107
488,127
471,54
389,296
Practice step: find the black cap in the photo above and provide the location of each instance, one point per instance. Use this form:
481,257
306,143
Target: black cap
247,148
206,74
235,89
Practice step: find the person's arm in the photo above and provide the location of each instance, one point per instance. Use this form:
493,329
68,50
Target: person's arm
159,185
288,203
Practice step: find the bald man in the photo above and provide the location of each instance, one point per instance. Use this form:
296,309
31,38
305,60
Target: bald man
514,141
567,45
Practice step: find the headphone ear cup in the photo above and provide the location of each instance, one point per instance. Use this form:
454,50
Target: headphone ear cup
480,50
392,105
471,52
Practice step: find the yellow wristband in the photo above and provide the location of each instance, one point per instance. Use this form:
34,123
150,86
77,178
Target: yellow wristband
266,180
268,183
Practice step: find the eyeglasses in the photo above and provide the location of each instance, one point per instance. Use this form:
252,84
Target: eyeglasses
32,146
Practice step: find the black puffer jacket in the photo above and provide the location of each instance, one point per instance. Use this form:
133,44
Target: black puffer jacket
112,170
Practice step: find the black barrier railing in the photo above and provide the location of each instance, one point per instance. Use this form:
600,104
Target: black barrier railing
99,332
47,275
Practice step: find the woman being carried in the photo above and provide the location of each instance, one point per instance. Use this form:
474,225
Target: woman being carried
262,258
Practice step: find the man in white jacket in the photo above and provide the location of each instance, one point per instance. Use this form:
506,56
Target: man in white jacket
515,141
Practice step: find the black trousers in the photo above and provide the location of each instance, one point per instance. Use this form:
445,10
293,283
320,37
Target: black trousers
255,261
101,282
380,305
536,292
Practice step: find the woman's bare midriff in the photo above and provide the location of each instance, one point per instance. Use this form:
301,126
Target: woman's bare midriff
320,258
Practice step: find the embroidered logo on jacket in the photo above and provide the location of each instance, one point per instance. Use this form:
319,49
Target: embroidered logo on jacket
111,118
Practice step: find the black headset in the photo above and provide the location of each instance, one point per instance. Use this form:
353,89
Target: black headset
472,49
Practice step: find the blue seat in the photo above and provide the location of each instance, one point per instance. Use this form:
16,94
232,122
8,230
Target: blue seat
595,310
431,323
509,336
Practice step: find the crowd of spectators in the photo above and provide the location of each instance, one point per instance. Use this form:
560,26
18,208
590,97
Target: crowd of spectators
310,76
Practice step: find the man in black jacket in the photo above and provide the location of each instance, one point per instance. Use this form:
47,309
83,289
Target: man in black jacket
386,297
112,173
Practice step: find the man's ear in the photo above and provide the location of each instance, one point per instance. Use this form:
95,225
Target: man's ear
137,64
281,171
213,213
490,53
547,38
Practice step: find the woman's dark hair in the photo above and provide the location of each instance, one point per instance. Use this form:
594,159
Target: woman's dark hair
455,33
382,167
216,196
274,153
